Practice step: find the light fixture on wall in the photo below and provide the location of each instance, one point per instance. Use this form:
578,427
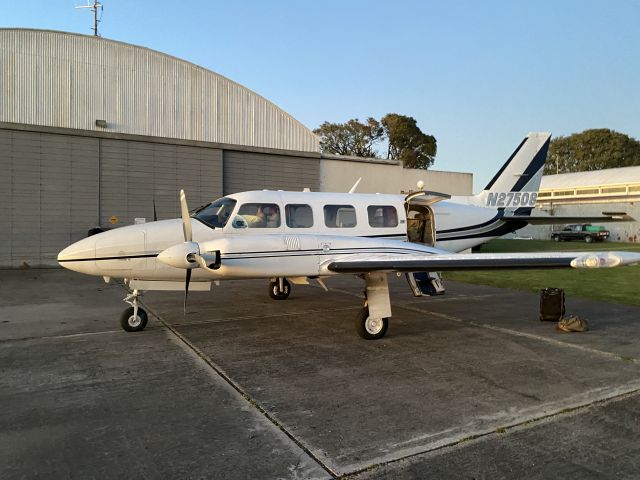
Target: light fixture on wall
101,123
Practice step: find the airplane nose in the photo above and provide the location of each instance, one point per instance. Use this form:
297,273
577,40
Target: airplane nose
79,256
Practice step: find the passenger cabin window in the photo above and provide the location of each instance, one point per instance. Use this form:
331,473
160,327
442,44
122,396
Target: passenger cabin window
381,216
339,216
257,215
216,214
299,215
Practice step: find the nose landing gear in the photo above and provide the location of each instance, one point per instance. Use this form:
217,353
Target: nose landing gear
134,318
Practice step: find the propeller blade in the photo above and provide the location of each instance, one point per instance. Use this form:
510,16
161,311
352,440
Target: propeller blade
186,219
155,214
186,290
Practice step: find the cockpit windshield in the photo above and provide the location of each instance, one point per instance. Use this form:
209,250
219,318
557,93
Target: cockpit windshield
216,214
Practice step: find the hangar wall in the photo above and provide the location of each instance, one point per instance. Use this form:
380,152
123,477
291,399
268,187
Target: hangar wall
339,175
133,174
257,171
47,188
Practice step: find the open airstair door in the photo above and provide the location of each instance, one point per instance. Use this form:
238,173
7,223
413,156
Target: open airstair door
421,228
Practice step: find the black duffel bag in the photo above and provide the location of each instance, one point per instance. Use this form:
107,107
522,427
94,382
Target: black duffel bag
551,304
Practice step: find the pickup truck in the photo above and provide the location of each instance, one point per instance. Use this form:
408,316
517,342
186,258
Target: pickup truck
582,231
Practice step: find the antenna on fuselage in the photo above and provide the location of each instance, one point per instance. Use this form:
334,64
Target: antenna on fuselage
355,185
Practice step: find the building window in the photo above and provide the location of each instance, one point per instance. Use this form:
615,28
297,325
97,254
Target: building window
614,190
299,215
563,193
544,194
587,191
258,215
339,216
382,216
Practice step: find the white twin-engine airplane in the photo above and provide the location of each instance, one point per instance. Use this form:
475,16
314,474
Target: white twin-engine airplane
297,236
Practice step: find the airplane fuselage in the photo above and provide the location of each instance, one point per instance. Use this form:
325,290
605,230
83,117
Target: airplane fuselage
302,230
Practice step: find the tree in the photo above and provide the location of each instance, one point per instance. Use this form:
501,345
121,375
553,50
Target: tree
595,149
407,143
352,138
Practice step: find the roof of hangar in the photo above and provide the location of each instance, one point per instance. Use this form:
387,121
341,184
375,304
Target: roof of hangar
70,80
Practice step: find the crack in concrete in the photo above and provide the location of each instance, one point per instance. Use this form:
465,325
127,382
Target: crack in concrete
248,398
494,432
62,335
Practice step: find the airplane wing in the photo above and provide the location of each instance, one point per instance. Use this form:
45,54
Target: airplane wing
549,220
438,262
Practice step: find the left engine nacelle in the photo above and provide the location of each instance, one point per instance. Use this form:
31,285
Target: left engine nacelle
181,255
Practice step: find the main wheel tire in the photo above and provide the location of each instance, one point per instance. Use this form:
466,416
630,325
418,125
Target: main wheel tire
129,323
556,238
588,239
370,328
274,290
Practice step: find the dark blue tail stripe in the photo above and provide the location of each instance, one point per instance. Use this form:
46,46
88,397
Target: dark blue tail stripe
497,175
536,164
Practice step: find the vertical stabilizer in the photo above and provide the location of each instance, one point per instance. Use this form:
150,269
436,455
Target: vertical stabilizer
516,185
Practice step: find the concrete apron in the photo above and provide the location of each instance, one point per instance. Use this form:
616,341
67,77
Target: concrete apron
243,385
436,380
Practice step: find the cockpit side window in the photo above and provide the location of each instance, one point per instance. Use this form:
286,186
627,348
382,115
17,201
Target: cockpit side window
216,214
258,215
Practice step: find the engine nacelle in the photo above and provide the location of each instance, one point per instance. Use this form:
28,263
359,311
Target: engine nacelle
178,256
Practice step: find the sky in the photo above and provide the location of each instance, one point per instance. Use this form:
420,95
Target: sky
478,75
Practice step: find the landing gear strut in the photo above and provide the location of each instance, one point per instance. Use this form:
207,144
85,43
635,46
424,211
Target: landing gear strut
279,289
372,320
134,318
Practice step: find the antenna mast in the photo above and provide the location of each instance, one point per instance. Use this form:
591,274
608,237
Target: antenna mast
95,7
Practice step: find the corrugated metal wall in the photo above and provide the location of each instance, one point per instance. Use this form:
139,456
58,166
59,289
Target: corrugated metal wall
68,80
53,188
254,171
133,174
48,190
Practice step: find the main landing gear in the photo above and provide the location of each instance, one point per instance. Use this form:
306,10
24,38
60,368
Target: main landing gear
368,327
279,288
134,318
372,320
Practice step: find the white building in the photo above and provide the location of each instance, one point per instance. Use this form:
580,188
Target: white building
590,194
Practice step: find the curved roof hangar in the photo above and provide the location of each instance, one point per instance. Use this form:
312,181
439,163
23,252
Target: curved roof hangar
69,80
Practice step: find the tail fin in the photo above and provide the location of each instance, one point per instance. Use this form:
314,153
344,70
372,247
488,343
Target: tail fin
516,185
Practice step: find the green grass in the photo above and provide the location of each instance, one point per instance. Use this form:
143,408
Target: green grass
617,285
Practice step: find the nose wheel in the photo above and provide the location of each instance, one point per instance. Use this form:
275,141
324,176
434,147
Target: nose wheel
279,289
134,318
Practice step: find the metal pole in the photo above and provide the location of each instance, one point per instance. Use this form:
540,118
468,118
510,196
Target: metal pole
95,18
